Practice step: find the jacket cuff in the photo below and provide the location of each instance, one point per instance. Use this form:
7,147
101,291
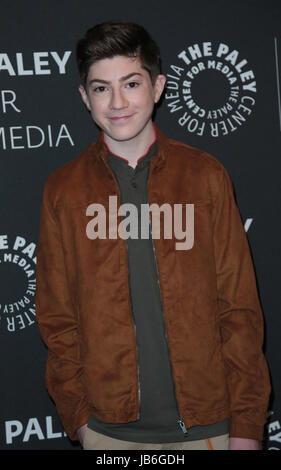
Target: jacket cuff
79,420
246,431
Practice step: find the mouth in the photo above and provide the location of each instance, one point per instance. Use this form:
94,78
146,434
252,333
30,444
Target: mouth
121,118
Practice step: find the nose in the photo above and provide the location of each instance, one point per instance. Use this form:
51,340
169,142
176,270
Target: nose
118,100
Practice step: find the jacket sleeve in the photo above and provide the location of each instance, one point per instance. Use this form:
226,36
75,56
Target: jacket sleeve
57,320
241,319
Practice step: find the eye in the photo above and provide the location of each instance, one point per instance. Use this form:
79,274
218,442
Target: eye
99,89
135,84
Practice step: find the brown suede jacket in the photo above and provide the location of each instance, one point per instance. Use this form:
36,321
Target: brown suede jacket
211,308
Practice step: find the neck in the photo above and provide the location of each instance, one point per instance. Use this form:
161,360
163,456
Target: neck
134,148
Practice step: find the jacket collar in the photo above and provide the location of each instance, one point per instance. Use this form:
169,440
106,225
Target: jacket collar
159,159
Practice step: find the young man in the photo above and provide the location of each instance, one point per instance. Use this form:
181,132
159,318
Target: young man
150,345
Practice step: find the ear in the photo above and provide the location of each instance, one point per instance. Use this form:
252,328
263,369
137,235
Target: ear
159,87
84,96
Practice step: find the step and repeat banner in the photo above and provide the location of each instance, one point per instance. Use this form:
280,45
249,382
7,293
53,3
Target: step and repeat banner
222,60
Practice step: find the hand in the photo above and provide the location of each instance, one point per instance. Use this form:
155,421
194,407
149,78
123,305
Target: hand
81,433
239,443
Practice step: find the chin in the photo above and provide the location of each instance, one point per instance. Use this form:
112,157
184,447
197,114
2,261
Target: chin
128,133
123,134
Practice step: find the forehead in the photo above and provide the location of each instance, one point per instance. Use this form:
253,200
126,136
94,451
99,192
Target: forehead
114,68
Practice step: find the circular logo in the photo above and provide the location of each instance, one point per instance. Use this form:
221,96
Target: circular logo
210,89
18,283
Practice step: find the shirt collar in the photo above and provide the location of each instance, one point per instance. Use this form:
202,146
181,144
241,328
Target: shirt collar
118,162
101,151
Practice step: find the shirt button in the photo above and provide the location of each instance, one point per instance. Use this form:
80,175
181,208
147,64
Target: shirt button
134,185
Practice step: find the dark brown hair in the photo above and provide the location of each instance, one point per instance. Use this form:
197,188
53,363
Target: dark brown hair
113,38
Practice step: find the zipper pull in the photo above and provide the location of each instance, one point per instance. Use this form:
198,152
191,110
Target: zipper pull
182,425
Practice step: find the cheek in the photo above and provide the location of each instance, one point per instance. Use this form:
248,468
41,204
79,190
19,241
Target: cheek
144,101
97,108
149,104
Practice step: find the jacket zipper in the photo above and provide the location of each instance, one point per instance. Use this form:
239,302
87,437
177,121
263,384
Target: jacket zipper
180,420
139,393
182,425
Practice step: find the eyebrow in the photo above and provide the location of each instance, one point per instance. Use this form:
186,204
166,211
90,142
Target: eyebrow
122,79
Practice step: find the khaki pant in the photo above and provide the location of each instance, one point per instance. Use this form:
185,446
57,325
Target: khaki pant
96,441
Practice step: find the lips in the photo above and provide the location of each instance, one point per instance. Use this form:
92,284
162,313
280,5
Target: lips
120,118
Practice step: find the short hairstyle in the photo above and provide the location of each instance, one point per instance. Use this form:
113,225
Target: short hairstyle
113,38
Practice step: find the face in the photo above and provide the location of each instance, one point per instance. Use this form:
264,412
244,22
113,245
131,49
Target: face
120,96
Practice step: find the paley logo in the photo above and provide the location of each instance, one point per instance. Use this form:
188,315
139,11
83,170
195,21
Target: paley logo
18,281
210,89
274,432
16,430
39,63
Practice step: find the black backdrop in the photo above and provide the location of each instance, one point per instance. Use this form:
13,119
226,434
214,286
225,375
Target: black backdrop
221,56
